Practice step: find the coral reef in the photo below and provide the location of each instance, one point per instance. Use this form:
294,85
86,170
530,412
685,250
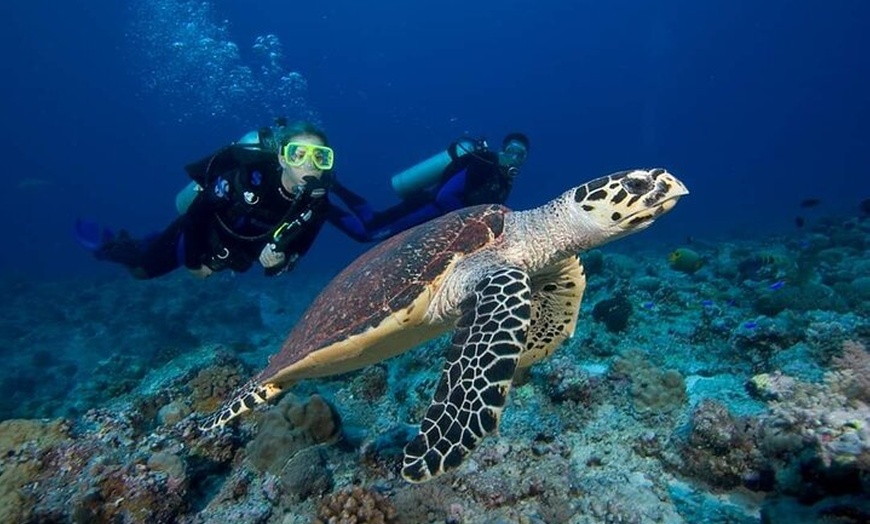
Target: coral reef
565,381
356,506
212,385
653,390
720,448
735,393
288,428
829,420
23,446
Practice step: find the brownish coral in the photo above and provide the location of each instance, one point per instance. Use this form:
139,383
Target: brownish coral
427,502
853,366
830,417
820,432
566,382
356,506
23,444
371,383
291,426
212,385
721,448
654,391
130,493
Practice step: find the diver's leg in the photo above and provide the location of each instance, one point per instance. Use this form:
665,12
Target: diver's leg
161,253
151,257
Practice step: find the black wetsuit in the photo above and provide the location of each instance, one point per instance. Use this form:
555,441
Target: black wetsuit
241,206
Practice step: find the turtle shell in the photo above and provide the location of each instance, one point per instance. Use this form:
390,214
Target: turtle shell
374,308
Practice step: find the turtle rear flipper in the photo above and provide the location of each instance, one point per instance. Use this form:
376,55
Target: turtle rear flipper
243,400
470,397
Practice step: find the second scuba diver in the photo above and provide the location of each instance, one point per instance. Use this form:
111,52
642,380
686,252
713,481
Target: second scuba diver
467,174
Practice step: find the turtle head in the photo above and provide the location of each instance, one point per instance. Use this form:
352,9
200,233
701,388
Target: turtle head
625,202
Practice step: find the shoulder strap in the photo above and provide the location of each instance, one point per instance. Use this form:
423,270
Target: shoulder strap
199,171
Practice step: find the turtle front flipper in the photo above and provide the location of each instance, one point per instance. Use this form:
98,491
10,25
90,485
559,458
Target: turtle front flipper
244,399
556,300
490,335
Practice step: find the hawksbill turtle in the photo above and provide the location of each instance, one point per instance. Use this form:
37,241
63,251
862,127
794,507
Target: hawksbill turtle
508,282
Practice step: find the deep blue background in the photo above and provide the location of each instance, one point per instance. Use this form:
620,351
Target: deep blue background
755,105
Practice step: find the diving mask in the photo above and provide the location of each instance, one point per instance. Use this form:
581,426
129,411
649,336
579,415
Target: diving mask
514,154
297,153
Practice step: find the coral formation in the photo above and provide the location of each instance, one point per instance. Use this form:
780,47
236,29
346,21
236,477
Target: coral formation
614,312
356,506
830,419
721,448
653,390
212,385
567,382
289,427
23,445
371,383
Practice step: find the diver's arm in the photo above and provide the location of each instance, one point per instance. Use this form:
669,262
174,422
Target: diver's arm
451,194
356,223
357,205
408,214
348,223
408,219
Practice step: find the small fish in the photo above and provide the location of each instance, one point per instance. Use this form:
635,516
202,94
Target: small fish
864,206
750,325
685,260
810,202
648,305
799,221
776,285
707,303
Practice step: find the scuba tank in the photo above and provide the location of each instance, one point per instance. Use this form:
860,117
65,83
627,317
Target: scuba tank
250,140
185,197
428,172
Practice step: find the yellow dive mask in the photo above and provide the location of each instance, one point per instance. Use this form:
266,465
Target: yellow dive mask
297,153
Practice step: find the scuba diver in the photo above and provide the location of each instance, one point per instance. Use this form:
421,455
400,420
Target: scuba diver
255,200
467,174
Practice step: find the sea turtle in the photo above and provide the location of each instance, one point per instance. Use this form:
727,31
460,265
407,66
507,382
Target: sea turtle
508,282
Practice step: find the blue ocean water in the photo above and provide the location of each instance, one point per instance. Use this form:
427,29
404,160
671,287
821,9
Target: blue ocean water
756,106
